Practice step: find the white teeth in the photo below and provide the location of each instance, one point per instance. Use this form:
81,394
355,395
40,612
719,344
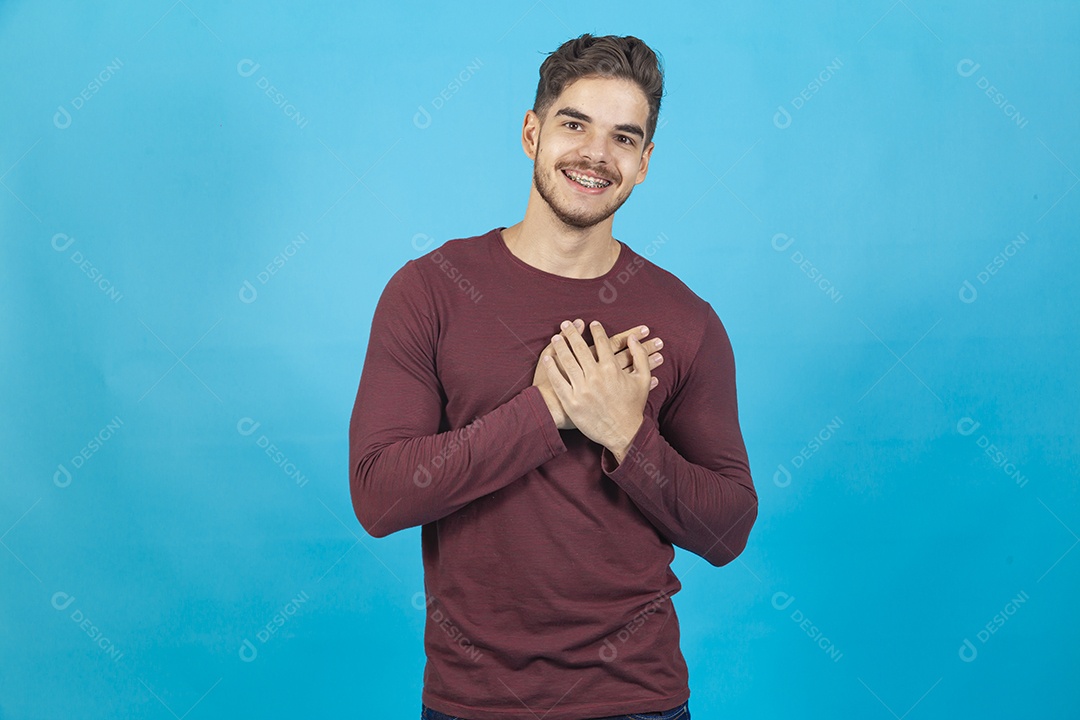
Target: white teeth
587,181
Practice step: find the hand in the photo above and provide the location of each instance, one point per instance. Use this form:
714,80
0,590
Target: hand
623,360
602,401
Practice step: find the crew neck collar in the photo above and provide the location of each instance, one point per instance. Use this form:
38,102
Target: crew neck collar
515,260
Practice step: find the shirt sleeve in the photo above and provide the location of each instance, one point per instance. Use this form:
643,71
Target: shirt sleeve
688,472
405,472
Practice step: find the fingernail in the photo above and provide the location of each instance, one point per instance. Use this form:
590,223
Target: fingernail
643,330
565,324
659,343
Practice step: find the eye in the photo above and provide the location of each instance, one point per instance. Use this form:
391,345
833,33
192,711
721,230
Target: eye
568,124
620,138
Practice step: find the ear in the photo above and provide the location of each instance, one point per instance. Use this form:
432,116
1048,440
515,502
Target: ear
530,133
643,168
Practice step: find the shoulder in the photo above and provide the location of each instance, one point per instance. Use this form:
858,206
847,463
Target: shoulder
659,282
418,276
437,257
698,318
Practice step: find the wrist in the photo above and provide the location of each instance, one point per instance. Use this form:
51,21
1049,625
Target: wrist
621,447
553,405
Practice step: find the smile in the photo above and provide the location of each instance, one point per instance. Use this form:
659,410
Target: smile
591,182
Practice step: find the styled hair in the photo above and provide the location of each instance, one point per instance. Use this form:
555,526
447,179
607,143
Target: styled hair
606,56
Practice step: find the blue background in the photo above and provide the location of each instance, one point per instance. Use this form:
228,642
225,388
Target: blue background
854,142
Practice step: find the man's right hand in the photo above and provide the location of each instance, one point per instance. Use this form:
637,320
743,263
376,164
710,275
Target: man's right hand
622,356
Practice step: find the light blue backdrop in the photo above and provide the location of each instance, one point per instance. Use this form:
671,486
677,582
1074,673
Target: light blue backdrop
201,205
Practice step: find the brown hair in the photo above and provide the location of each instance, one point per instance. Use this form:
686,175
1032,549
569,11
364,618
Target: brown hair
605,56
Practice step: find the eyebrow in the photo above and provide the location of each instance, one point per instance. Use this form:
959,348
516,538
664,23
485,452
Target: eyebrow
578,115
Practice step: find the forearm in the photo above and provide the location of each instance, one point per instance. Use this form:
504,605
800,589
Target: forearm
707,511
623,445
398,483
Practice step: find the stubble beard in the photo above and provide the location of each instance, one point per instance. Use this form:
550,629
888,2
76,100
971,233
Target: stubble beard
581,219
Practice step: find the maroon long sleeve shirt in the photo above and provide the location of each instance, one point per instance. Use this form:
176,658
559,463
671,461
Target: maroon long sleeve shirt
546,561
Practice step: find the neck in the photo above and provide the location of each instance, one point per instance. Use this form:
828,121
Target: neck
544,241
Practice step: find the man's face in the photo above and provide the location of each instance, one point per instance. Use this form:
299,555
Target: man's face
589,153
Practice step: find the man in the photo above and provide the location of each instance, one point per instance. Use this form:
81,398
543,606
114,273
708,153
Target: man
549,508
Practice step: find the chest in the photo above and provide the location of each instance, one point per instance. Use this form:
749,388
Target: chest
487,353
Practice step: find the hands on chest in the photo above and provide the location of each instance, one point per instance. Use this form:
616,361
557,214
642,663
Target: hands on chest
599,389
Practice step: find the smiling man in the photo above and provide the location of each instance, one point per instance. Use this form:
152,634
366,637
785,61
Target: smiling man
549,509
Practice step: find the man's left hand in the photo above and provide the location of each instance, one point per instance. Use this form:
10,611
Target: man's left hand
605,402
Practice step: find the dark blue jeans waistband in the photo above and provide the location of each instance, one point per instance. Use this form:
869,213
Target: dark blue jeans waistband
681,712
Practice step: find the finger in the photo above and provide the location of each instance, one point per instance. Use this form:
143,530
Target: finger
558,383
549,351
641,362
655,381
623,358
618,342
577,345
604,353
567,361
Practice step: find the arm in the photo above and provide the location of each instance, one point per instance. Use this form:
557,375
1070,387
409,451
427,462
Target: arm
689,475
403,471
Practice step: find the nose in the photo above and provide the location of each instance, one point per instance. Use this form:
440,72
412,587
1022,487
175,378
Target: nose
594,148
